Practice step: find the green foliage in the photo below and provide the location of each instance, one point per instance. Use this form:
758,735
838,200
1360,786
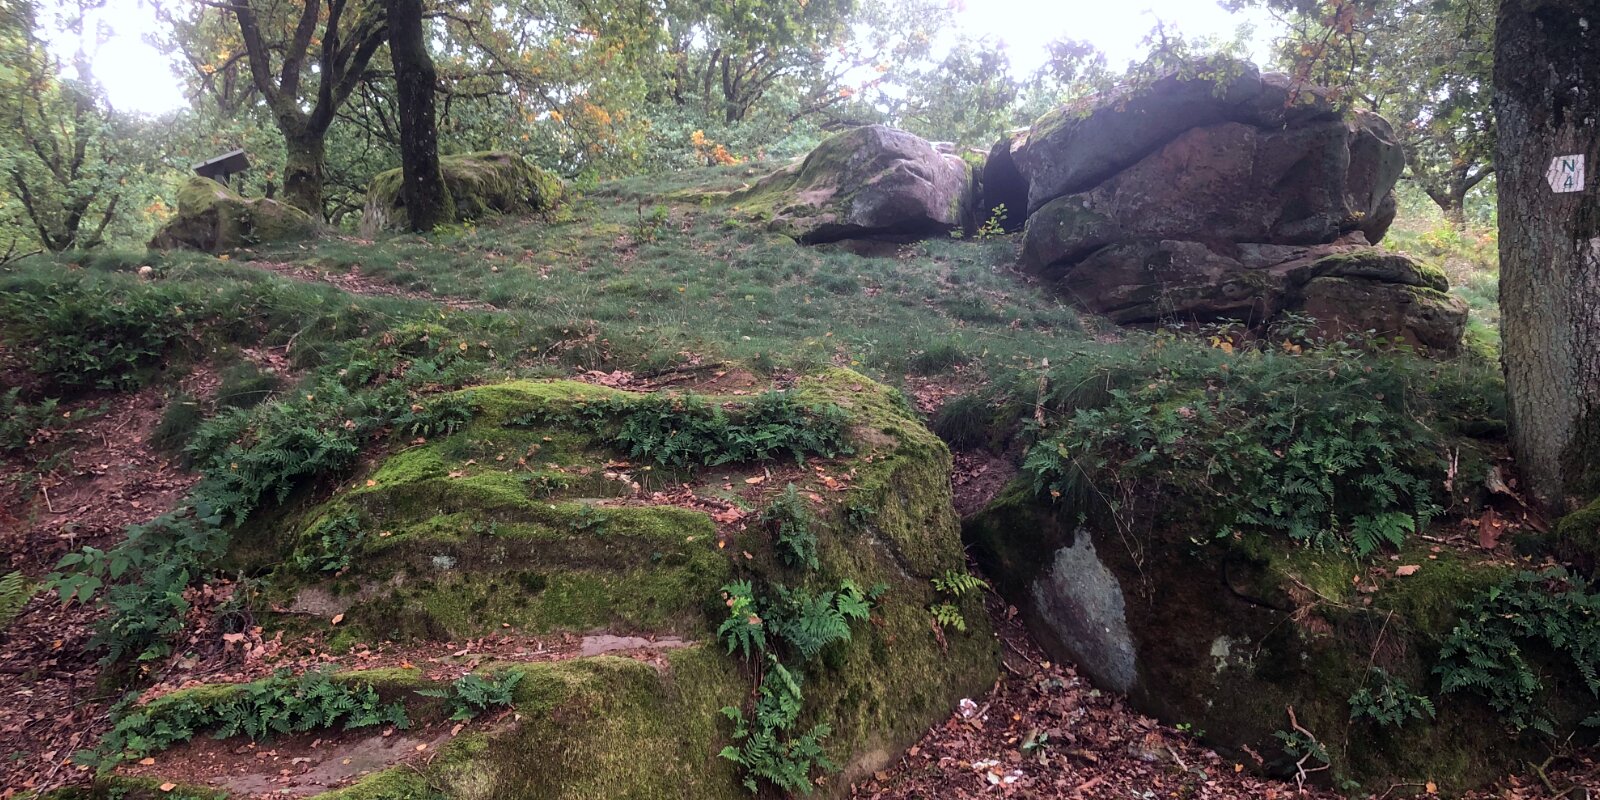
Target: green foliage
790,520
441,416
251,456
1508,634
79,335
15,591
140,582
244,385
1388,701
331,543
280,705
954,585
21,423
743,630
686,430
810,622
768,749
1327,446
1302,747
472,694
963,422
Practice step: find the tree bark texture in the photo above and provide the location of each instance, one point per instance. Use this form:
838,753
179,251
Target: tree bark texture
1547,100
422,188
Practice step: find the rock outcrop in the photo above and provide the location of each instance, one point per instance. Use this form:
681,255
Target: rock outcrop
526,522
870,182
1221,194
214,219
1226,635
479,184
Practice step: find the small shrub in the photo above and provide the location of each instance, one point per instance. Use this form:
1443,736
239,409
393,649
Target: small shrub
472,694
1388,701
182,417
963,422
790,521
140,582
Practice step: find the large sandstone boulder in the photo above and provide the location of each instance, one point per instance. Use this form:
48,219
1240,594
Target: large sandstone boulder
528,521
873,181
1215,193
479,184
1226,635
213,218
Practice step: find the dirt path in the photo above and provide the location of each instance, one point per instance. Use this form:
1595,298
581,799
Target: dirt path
356,283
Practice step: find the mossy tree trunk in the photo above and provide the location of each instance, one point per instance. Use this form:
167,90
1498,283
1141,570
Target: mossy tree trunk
1547,100
345,34
422,188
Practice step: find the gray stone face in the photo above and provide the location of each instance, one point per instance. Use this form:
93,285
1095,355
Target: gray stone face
1081,602
867,182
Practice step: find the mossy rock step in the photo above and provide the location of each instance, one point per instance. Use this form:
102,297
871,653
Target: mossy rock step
525,519
1226,635
214,219
478,185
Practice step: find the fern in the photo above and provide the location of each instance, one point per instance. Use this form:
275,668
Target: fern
15,591
958,584
767,747
472,694
948,615
790,520
1388,701
1493,649
743,629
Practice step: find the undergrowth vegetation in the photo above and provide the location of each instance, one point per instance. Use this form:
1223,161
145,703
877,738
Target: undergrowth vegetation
280,705
1322,446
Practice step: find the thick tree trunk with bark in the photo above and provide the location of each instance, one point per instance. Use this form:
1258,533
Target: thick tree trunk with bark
302,172
1547,104
422,188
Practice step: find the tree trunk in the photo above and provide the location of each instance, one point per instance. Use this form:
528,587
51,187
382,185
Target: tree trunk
1547,99
302,172
422,188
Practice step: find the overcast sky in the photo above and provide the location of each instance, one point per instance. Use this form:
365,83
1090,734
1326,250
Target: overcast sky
138,78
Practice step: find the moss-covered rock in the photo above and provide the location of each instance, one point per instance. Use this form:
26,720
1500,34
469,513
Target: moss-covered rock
1226,635
479,185
525,520
873,181
213,218
1577,540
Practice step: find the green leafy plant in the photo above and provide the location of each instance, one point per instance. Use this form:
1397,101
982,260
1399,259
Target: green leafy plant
686,430
472,694
1496,648
1388,701
21,423
15,591
80,335
1318,446
331,543
140,582
810,622
280,705
743,630
767,746
441,416
790,520
954,585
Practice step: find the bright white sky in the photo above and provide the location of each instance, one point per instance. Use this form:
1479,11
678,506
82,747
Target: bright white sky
138,78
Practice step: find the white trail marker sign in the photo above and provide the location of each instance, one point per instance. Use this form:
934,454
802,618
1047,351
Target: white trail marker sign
1565,174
